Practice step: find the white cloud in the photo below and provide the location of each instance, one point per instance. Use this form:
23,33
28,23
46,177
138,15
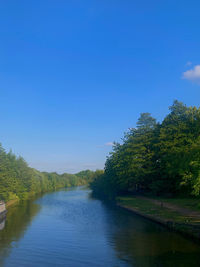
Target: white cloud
109,144
192,74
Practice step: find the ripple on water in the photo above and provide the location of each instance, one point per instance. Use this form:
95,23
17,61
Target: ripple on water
68,228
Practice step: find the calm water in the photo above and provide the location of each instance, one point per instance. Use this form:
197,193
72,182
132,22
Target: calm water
69,228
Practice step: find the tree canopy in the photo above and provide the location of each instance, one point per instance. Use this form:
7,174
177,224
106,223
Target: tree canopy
19,181
156,158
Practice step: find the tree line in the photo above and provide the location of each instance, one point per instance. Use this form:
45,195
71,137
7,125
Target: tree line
161,159
19,181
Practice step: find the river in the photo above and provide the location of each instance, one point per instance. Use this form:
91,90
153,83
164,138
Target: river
69,228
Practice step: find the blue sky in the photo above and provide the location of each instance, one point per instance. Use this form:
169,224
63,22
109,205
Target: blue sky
75,75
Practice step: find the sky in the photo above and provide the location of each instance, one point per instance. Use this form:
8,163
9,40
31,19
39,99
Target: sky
76,74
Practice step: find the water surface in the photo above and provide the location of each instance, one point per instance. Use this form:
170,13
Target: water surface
69,228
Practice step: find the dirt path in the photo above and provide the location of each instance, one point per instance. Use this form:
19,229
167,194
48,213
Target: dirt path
183,211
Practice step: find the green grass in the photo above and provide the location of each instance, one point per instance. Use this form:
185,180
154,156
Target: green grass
148,208
188,203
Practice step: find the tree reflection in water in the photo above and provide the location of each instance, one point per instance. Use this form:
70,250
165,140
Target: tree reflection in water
144,243
14,226
72,229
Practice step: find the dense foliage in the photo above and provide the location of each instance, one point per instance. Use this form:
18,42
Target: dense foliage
87,175
19,181
154,158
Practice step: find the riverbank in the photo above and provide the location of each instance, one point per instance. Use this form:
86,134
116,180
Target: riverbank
175,214
31,196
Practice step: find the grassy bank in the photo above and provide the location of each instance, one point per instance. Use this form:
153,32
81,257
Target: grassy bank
182,215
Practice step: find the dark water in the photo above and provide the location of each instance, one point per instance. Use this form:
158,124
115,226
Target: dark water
68,228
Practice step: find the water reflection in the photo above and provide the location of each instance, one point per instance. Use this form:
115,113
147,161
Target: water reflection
14,226
141,242
2,223
68,228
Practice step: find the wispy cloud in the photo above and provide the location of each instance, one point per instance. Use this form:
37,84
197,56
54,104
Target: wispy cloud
106,144
192,74
109,144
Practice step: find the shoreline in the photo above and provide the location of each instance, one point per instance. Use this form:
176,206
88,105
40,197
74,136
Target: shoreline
16,201
189,230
